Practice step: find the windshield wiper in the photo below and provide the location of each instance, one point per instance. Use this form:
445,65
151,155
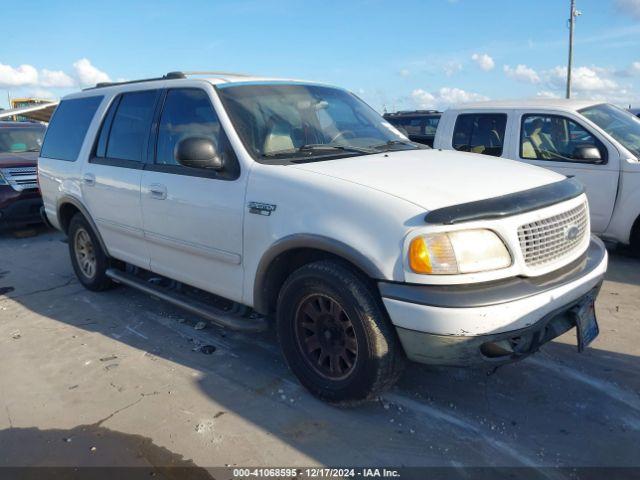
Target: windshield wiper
329,146
315,147
391,143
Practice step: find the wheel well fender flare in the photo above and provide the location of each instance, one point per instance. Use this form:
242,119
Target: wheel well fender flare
312,242
77,204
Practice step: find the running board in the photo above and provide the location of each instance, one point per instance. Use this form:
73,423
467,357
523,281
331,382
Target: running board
217,316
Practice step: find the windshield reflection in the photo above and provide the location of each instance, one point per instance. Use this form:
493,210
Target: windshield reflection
295,122
620,124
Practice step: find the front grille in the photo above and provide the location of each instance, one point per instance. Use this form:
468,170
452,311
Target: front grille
551,239
21,178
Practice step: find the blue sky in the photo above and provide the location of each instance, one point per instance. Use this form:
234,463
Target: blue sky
395,54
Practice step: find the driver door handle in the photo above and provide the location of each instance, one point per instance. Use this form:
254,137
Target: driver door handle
158,191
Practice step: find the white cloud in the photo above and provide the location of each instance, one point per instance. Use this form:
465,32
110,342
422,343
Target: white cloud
40,93
450,95
17,76
484,61
405,72
28,81
629,7
594,83
635,67
423,99
444,97
56,79
452,67
583,79
547,94
88,74
522,73
622,97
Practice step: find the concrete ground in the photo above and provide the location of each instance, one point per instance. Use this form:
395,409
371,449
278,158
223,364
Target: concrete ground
118,378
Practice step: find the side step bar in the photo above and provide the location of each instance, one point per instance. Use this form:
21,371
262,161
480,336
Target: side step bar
217,316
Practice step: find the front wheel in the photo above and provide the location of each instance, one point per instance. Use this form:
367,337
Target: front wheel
89,261
335,335
635,238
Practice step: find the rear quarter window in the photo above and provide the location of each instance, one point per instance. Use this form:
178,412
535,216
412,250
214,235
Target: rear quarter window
480,133
68,128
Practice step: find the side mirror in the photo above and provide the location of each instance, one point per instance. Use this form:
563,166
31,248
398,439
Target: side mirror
198,152
589,153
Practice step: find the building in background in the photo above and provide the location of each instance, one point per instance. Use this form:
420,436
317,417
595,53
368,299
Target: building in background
25,102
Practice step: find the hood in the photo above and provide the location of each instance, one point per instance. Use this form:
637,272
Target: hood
432,178
24,159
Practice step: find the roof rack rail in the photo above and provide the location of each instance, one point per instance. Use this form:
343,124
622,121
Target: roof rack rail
214,72
411,112
168,76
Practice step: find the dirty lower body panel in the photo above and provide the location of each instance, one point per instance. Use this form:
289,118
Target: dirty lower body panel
492,349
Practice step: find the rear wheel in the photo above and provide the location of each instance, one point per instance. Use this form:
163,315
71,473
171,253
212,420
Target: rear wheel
89,261
335,334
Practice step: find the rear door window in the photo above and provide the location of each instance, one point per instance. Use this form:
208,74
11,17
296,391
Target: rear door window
480,133
129,127
68,128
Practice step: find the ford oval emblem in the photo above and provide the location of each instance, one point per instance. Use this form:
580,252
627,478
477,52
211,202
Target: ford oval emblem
572,232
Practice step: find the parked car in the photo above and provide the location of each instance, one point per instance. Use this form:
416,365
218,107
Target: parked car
294,200
419,125
597,143
20,200
635,111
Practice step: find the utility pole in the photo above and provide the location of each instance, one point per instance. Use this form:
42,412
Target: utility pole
573,13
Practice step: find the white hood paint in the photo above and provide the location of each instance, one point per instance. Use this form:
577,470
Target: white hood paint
433,179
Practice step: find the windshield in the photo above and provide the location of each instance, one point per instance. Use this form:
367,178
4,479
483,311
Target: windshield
280,123
620,124
20,139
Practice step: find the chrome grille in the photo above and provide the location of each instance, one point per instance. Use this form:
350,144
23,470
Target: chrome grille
554,238
20,178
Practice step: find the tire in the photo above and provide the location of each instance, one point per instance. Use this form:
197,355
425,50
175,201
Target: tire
335,334
635,238
89,261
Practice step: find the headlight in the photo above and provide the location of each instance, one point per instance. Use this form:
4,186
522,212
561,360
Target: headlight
464,251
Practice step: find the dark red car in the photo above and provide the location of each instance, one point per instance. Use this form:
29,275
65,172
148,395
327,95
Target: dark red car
20,200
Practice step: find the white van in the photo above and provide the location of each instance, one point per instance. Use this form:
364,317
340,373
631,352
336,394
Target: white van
595,142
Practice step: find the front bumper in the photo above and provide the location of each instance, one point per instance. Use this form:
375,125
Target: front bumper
19,208
490,322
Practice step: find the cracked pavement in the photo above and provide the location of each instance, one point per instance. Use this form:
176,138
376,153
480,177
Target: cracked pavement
122,373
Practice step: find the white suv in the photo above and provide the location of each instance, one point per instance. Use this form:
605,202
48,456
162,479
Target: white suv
257,198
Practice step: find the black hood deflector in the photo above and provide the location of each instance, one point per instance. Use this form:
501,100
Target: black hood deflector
507,205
